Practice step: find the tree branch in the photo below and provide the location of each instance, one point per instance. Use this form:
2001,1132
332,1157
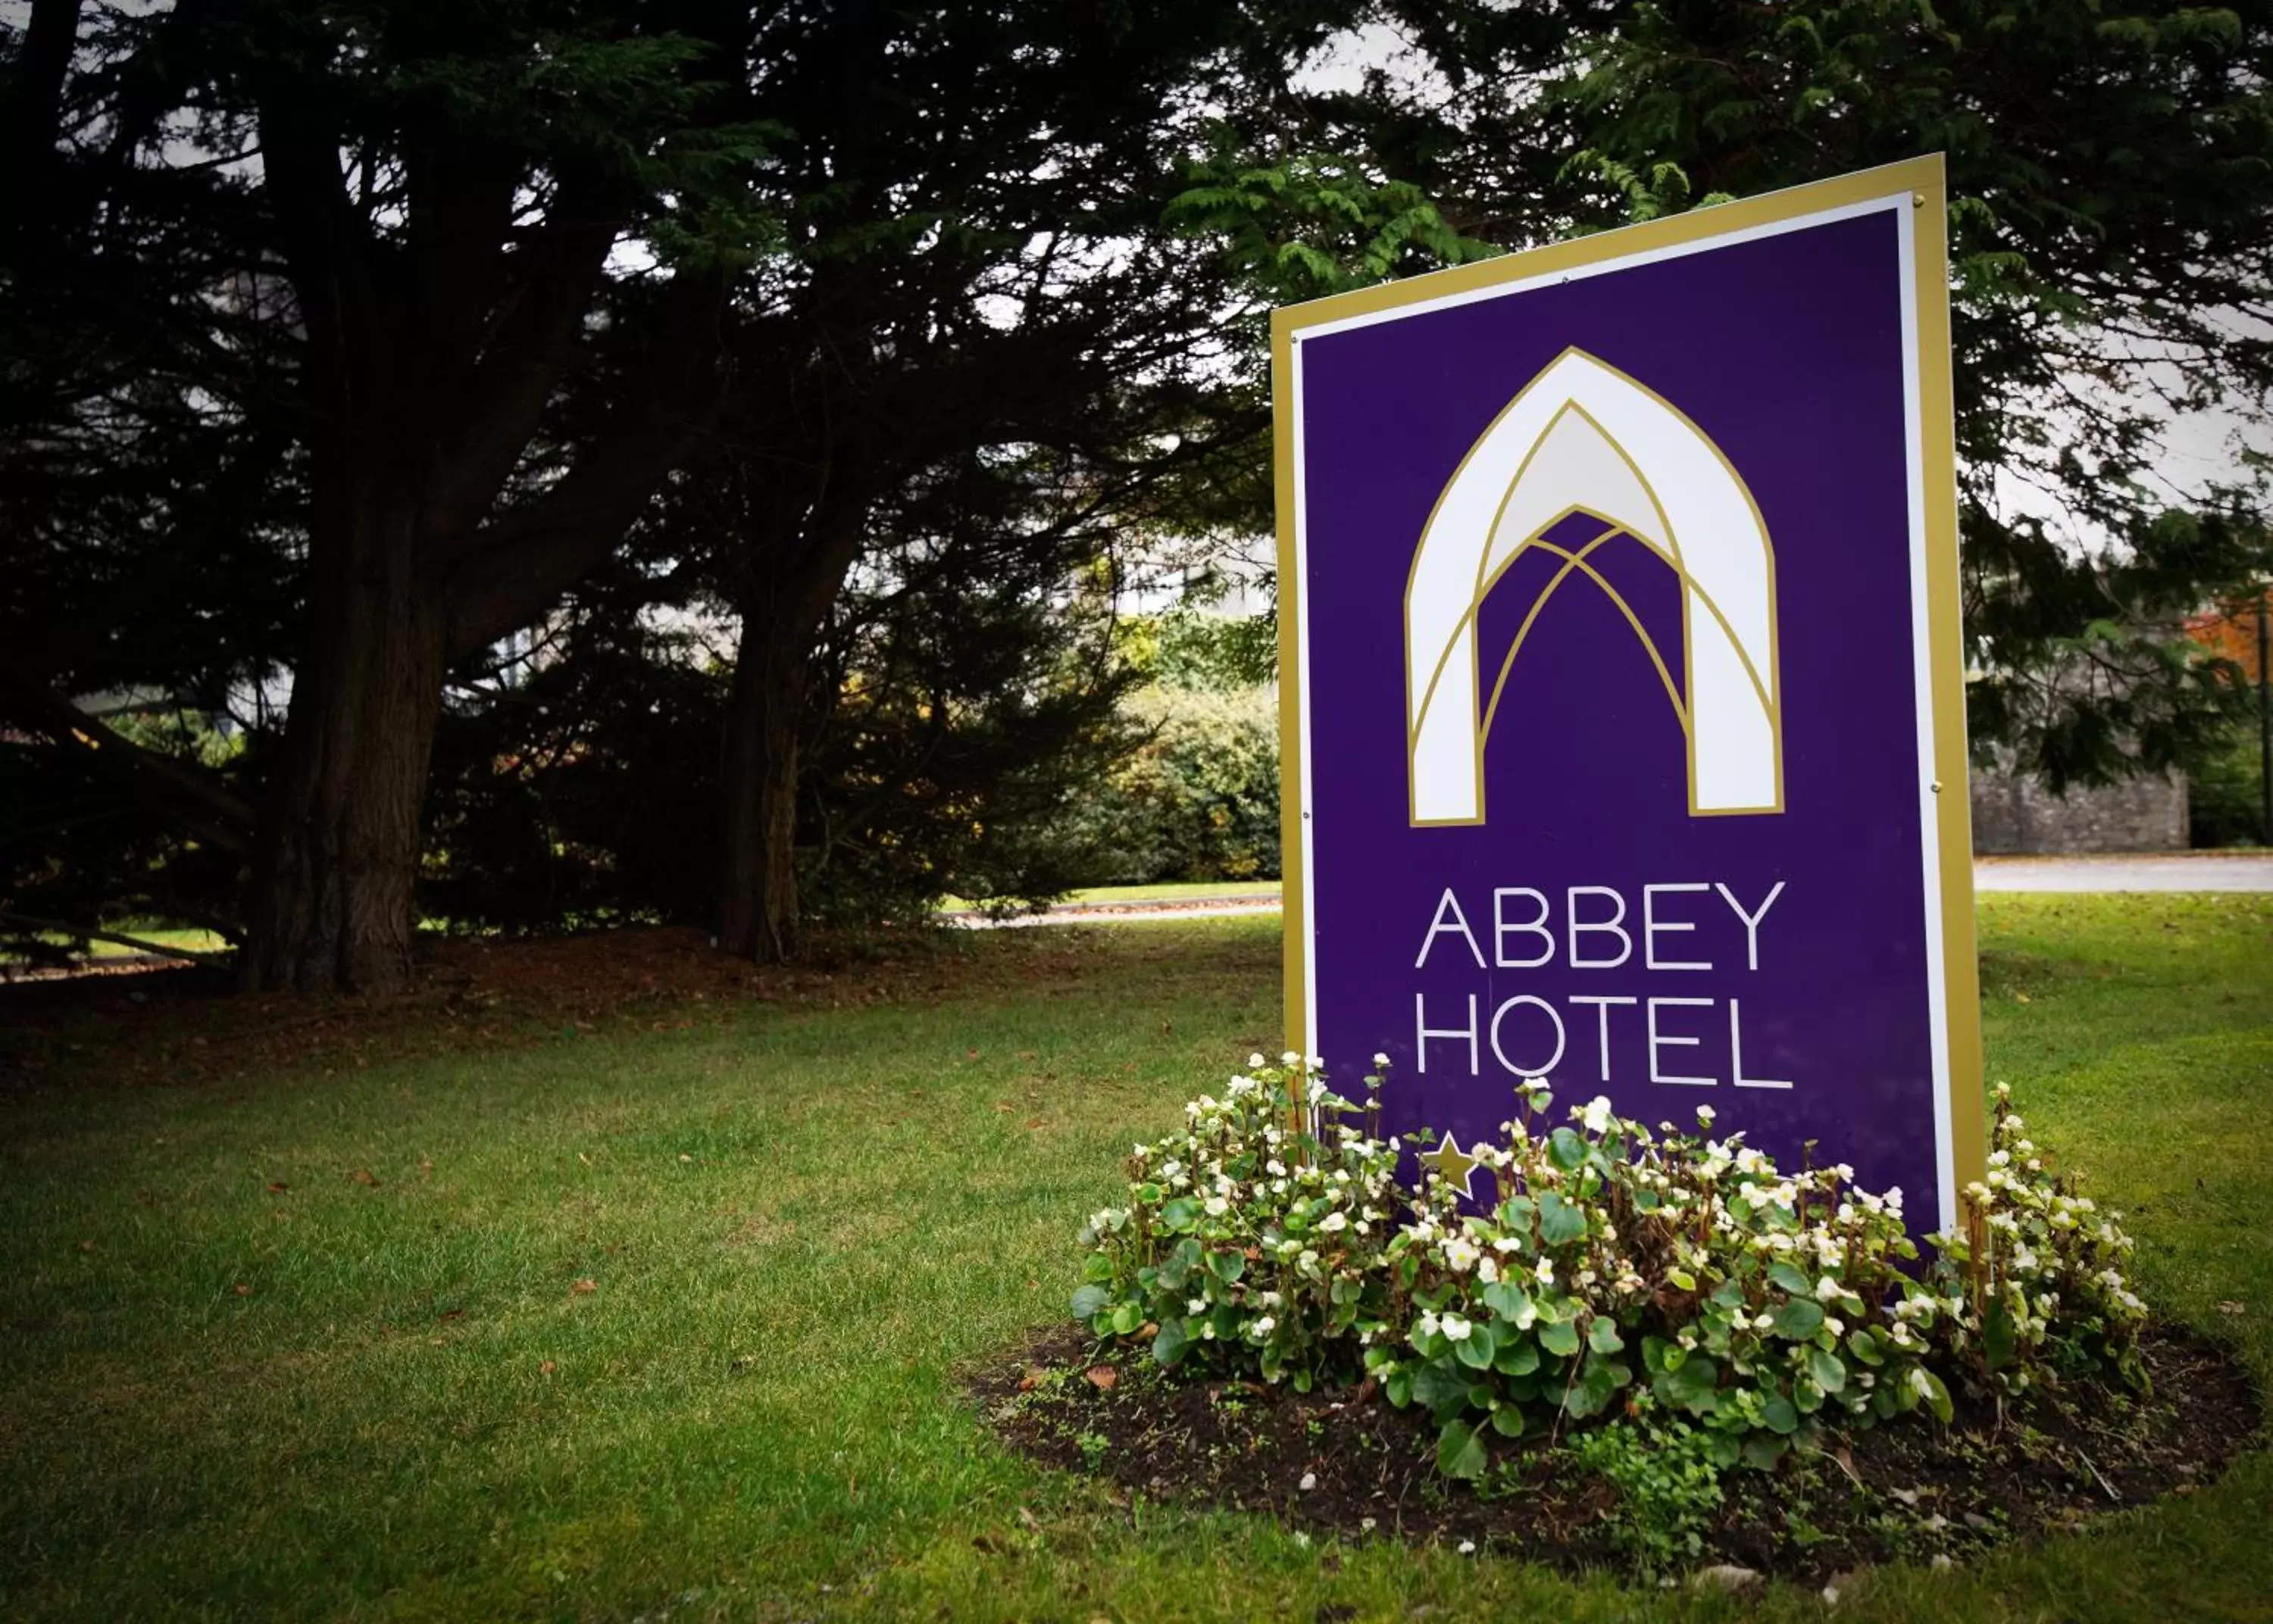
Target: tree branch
202,807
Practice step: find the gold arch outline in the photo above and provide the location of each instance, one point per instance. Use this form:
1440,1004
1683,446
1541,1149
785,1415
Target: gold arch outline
1576,563
1774,683
1687,583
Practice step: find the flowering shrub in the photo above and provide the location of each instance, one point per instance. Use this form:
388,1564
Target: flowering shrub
1667,1272
1259,1238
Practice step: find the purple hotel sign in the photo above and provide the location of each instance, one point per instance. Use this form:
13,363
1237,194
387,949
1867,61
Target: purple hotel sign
1624,700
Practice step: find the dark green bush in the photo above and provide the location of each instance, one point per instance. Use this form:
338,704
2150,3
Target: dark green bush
2224,793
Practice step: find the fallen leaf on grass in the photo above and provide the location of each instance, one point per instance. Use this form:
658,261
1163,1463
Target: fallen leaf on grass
547,1368
1033,1522
241,1288
2232,1308
583,1287
1102,1377
363,1175
453,1314
278,1188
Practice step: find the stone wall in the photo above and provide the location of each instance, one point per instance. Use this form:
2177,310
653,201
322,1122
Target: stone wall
2013,812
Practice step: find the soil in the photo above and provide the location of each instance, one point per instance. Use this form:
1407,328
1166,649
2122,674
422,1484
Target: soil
1908,1489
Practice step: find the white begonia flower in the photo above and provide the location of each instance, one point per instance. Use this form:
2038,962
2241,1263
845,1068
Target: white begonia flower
1429,1324
1488,1271
1263,1327
1595,1118
1826,1288
1762,1322
1275,1168
1459,1256
1335,1222
2013,1125
1290,1058
1255,1062
1381,1060
1545,1271
1217,1206
1455,1329
1705,1113
1197,1304
1836,1326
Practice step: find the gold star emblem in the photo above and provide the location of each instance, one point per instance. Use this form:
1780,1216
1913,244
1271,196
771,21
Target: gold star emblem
1453,1165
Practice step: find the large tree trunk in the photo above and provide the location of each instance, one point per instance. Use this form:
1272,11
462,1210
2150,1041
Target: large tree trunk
759,917
333,904
784,602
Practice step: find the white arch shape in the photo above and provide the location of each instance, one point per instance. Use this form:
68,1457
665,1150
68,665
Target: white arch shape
1582,437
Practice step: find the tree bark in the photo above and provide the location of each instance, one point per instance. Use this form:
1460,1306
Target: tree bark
759,910
759,913
333,904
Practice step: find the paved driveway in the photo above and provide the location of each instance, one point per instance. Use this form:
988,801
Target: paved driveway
2205,871
2181,872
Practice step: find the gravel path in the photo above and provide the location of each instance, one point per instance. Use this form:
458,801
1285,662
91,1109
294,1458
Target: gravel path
2177,872
2205,871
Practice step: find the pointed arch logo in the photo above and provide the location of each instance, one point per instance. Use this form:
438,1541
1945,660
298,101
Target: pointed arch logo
1582,437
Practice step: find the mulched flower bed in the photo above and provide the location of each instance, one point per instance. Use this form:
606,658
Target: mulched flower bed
1906,1490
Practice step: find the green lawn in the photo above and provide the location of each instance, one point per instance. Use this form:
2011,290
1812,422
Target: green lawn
667,1324
188,940
1172,891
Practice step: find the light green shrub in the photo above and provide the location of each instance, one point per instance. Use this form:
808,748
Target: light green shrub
1198,799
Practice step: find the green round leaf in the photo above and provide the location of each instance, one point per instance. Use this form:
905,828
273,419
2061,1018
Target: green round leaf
1799,1319
1461,1451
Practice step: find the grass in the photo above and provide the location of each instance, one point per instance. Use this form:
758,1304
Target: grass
1172,891
635,1325
187,940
